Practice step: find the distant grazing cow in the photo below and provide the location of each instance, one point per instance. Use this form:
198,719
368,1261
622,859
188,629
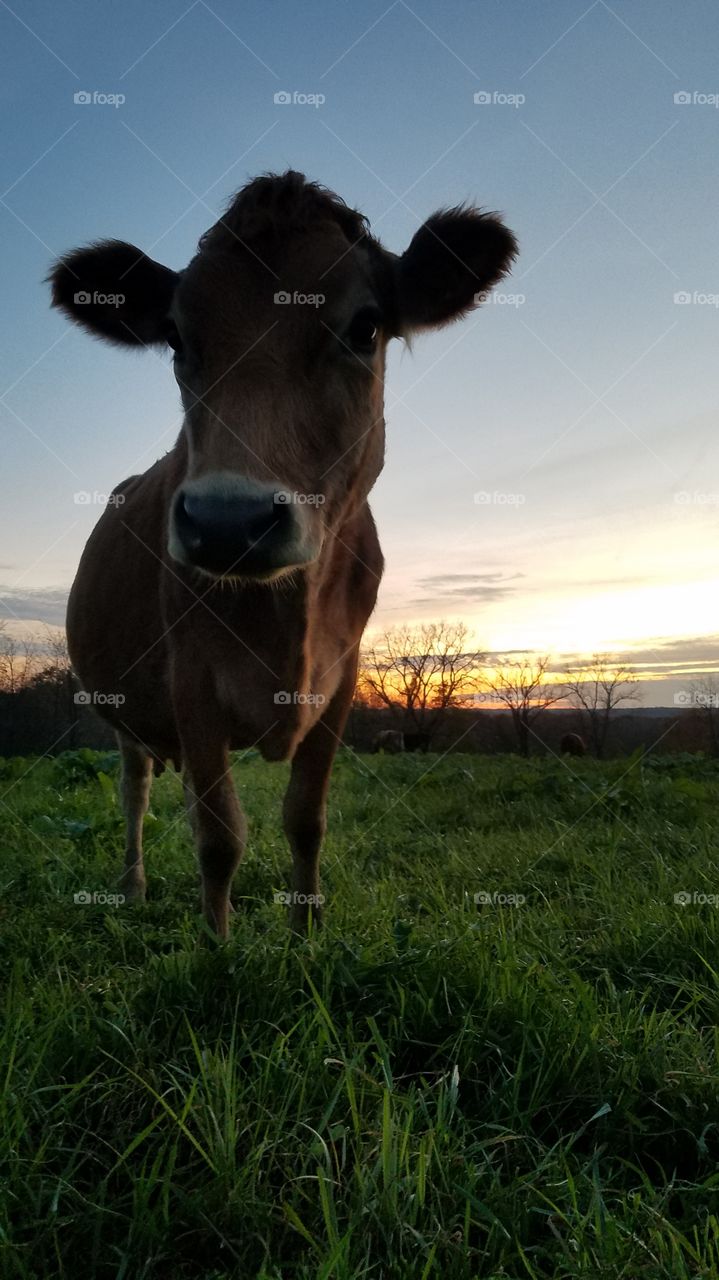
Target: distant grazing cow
573,745
221,599
416,742
389,740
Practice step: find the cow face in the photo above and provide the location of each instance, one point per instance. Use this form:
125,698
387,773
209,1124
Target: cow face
279,328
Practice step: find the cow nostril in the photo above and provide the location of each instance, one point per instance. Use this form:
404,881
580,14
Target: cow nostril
258,524
188,522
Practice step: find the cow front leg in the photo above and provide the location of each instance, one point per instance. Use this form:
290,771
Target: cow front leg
219,828
305,804
135,784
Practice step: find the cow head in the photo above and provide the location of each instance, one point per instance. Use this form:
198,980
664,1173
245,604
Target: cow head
279,327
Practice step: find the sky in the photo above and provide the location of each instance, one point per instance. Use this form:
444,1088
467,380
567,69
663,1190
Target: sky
551,474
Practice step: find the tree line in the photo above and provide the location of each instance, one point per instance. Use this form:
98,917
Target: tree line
417,679
38,710
419,674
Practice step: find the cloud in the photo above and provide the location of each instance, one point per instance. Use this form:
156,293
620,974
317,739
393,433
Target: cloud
609,584
439,579
688,649
465,586
497,657
46,604
684,659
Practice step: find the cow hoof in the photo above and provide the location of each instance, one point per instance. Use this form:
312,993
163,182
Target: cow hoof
304,920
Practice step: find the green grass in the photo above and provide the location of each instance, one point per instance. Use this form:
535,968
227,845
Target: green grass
426,1088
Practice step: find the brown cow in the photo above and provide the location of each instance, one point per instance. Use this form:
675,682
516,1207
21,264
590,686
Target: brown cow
220,600
389,740
573,744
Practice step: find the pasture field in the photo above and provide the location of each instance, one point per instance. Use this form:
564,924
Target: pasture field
523,1087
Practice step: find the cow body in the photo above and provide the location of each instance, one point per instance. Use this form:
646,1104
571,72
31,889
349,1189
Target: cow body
389,740
237,649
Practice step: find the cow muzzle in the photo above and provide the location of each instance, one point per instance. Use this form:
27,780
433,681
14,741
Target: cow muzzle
234,527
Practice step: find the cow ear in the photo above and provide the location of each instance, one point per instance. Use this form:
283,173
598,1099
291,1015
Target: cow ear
115,291
456,255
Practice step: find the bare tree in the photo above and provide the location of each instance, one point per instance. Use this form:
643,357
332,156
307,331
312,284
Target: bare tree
55,646
56,675
18,665
18,661
418,673
705,698
524,689
596,690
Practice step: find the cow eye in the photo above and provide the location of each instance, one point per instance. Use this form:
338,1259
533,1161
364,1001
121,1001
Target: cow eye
172,337
363,332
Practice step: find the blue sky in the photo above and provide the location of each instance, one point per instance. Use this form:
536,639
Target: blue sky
581,403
